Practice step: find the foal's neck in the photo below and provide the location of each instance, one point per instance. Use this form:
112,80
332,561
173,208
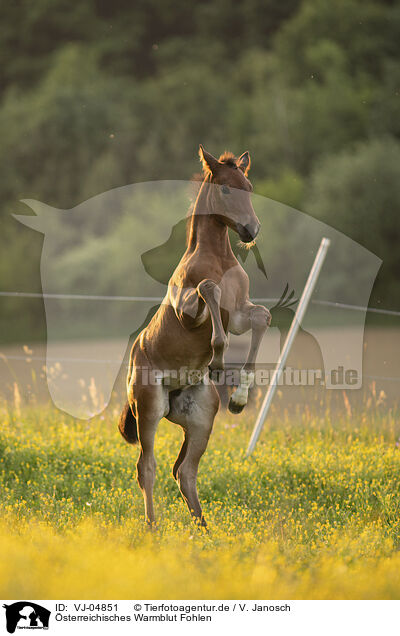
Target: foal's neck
206,232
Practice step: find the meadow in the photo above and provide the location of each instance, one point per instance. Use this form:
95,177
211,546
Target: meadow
312,514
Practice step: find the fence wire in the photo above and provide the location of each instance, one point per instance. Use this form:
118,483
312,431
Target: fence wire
18,294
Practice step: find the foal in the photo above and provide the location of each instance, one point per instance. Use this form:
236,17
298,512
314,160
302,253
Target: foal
207,297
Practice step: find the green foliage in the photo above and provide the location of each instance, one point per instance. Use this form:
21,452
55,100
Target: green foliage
288,188
358,193
53,133
103,94
361,34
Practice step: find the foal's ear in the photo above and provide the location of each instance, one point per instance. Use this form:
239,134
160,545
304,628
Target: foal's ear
210,163
244,162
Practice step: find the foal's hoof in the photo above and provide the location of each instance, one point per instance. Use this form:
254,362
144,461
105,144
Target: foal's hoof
234,407
201,525
151,526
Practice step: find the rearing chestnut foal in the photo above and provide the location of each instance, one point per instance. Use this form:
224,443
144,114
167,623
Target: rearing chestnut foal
207,297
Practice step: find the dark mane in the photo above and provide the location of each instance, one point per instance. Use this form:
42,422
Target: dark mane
229,159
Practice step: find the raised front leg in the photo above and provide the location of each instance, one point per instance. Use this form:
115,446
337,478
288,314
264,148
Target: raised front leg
210,293
194,305
257,318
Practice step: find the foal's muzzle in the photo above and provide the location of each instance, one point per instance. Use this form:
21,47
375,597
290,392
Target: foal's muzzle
248,232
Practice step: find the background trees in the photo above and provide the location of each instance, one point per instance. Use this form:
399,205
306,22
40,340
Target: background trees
97,95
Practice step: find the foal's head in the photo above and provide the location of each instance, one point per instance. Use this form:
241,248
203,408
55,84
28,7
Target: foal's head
230,197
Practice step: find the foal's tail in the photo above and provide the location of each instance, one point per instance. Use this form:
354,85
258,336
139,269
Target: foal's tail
127,425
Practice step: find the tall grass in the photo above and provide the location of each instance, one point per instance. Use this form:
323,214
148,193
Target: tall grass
314,513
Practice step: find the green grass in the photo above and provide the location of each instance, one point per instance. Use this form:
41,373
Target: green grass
314,513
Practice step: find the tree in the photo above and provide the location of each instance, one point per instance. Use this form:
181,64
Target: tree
358,193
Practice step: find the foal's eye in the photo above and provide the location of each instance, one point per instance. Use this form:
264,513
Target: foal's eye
225,189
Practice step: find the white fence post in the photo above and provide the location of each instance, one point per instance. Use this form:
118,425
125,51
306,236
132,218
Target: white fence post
297,319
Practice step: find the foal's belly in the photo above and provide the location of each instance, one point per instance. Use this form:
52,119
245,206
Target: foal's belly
184,377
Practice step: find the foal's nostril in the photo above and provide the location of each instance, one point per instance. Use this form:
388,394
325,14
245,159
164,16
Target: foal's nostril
244,233
247,232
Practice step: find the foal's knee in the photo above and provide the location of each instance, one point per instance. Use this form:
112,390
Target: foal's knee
260,318
208,289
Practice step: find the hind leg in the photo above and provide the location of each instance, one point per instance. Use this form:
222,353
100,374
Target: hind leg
194,409
151,406
180,457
